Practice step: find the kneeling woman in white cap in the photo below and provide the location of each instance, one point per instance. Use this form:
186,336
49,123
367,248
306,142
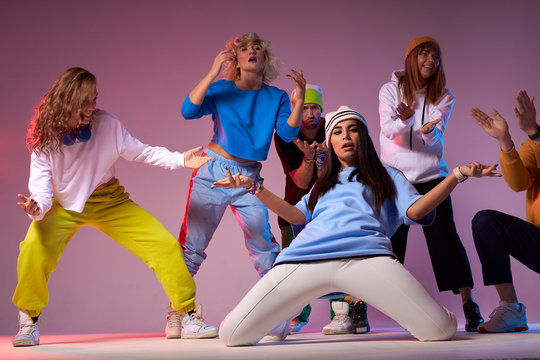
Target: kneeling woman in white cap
349,216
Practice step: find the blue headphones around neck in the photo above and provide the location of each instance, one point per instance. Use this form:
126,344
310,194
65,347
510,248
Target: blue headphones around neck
82,134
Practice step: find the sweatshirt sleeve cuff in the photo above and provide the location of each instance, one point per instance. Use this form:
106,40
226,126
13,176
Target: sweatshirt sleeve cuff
178,160
509,156
289,133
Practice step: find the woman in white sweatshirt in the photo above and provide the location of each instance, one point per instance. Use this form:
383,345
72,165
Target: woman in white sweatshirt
414,109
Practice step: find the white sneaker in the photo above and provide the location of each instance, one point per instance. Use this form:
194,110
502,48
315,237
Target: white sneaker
341,323
173,330
279,333
28,334
193,326
507,317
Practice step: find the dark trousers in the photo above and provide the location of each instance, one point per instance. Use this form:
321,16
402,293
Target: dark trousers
497,236
448,256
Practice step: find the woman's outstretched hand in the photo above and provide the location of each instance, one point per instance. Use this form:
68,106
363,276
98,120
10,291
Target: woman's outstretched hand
30,206
475,169
234,181
194,161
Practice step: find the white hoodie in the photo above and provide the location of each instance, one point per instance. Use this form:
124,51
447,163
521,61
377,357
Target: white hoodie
420,160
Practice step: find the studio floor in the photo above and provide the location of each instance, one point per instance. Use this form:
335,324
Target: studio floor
378,344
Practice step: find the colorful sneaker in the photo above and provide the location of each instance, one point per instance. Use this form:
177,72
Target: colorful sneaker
341,323
193,326
359,318
507,317
173,330
473,318
297,324
28,334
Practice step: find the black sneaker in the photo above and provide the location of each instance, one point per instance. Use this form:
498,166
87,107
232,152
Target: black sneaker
359,318
473,318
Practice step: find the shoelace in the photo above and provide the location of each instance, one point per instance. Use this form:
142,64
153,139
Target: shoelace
197,319
173,319
340,319
500,311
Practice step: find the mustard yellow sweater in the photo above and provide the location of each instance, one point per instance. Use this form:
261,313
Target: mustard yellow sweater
521,172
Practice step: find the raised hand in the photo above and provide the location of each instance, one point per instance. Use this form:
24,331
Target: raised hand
322,147
307,149
234,181
429,126
404,112
298,78
222,57
526,113
193,161
475,169
495,127
30,206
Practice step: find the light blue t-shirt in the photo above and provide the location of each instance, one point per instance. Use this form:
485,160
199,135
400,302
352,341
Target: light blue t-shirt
244,120
345,224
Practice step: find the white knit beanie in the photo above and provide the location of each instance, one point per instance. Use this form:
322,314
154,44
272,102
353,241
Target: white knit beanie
343,113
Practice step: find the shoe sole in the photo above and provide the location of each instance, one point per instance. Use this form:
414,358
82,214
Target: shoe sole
361,330
24,342
207,335
484,331
173,336
333,332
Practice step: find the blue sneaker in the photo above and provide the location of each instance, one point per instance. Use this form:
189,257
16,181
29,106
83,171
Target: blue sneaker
297,324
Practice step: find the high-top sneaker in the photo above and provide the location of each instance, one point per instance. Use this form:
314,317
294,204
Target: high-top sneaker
359,318
341,323
28,334
193,326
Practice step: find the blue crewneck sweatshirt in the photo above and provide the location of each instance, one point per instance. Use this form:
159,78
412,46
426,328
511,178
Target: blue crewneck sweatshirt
244,120
345,223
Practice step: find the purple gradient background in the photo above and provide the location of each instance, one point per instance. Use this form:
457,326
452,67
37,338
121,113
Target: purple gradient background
147,55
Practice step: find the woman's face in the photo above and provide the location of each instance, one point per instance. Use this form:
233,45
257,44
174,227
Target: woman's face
428,63
82,116
344,139
250,58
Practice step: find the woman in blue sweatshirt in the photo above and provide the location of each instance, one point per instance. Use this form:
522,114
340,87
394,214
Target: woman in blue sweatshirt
350,215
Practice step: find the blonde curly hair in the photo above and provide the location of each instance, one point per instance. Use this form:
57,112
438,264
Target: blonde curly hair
51,116
270,70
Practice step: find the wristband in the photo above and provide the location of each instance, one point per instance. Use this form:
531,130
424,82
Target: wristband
536,135
319,160
256,188
309,161
460,177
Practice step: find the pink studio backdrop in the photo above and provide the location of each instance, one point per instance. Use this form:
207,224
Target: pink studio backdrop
147,55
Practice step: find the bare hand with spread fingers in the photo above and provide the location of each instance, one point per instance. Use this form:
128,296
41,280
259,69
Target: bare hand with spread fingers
475,169
233,181
404,112
526,113
495,127
193,161
30,206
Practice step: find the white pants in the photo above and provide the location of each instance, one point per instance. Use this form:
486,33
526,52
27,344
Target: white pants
380,281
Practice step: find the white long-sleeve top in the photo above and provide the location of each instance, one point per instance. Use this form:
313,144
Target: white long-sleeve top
74,173
420,160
